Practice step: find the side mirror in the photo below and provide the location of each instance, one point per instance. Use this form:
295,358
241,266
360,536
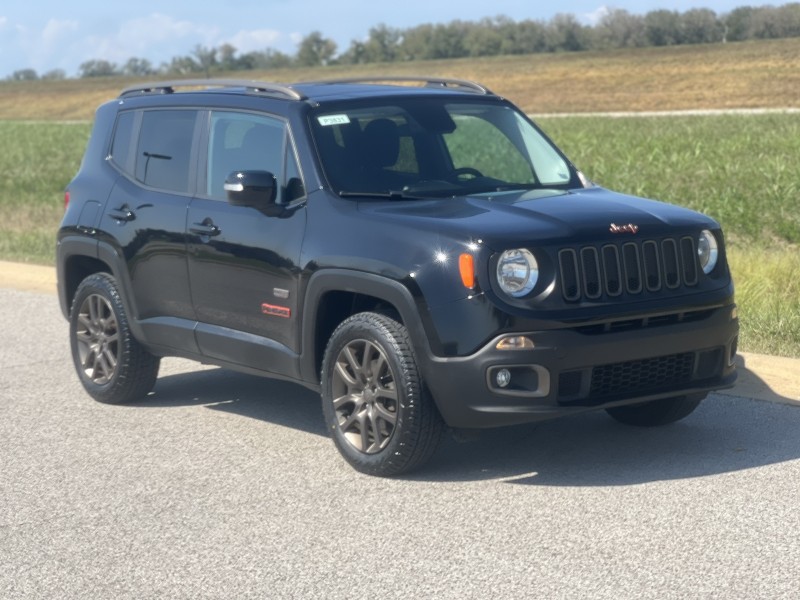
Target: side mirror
256,189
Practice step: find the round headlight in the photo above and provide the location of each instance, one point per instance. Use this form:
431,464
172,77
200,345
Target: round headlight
707,251
517,272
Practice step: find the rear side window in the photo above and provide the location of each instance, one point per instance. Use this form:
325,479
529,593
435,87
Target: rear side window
123,149
164,150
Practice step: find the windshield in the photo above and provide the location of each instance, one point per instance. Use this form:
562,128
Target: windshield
427,147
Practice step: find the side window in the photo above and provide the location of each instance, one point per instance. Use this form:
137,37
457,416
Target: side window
122,146
294,188
247,142
164,150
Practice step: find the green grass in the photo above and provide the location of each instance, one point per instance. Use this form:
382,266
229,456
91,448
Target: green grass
741,170
768,294
37,162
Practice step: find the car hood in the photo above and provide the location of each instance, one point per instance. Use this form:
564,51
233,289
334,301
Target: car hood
507,219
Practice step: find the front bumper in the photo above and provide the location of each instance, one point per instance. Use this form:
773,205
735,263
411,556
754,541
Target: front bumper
574,370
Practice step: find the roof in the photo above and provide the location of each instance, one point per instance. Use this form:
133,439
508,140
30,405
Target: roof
336,88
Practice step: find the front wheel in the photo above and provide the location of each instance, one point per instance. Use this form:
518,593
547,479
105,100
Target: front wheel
376,407
656,412
112,366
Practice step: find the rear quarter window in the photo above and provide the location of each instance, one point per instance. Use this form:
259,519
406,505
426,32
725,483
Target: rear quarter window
123,146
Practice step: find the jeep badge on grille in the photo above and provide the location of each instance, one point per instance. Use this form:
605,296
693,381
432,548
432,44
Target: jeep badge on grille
629,228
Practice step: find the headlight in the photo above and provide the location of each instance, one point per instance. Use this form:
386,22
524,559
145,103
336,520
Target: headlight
517,272
707,251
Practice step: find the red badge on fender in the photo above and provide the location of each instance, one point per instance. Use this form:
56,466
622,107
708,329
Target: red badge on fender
276,311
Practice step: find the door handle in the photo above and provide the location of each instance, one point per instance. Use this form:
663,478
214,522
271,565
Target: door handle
123,213
206,228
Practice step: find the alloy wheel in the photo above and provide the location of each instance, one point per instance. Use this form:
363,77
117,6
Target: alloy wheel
365,396
97,336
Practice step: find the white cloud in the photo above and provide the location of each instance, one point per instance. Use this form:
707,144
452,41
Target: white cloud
255,40
157,37
38,48
55,32
594,17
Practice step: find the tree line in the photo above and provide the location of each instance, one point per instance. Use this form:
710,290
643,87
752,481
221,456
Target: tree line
617,28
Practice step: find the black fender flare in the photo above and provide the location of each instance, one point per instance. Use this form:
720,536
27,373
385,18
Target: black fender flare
391,291
72,246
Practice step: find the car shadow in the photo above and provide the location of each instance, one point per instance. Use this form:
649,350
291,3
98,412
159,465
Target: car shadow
726,433
270,400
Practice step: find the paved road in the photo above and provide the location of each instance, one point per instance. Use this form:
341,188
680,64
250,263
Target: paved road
224,486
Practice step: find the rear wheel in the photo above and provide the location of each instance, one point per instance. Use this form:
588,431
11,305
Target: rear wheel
376,407
112,366
656,412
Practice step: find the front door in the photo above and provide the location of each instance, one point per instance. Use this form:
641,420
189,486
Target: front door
243,264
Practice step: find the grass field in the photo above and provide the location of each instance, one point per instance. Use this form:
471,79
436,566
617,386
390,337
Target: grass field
736,75
742,170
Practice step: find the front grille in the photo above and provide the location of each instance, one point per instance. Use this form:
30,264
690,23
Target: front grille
591,272
626,378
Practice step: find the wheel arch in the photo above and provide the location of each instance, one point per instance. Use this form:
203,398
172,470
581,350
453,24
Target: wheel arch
78,258
333,295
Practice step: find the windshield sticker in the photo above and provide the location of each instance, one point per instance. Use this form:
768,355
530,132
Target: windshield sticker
329,120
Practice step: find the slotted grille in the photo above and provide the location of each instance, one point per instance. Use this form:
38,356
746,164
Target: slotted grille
641,375
590,272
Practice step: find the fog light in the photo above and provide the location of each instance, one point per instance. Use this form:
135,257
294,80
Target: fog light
503,378
515,342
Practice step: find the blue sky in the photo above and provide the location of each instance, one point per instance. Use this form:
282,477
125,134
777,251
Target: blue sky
54,34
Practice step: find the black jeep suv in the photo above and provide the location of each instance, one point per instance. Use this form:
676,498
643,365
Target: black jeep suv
422,255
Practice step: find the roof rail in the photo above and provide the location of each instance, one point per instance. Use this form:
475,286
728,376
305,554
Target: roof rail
444,82
168,87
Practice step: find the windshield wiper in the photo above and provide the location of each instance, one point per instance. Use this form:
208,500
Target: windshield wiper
516,186
398,194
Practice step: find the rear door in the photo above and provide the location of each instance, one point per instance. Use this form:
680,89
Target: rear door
145,216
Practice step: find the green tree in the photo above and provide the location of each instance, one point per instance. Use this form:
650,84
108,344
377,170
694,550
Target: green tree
54,75
181,65
620,29
663,28
24,75
138,67
483,38
701,26
206,58
738,24
227,58
566,33
315,50
97,68
383,44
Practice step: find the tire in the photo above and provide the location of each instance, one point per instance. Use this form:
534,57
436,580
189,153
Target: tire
376,407
656,412
112,366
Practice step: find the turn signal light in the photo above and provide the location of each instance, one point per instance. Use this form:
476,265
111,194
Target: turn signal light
466,266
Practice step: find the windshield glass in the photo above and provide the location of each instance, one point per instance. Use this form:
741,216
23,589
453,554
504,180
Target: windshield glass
425,147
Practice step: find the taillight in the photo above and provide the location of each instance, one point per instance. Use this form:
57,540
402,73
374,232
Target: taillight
66,199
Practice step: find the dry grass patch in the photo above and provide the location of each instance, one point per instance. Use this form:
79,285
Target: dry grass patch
757,74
